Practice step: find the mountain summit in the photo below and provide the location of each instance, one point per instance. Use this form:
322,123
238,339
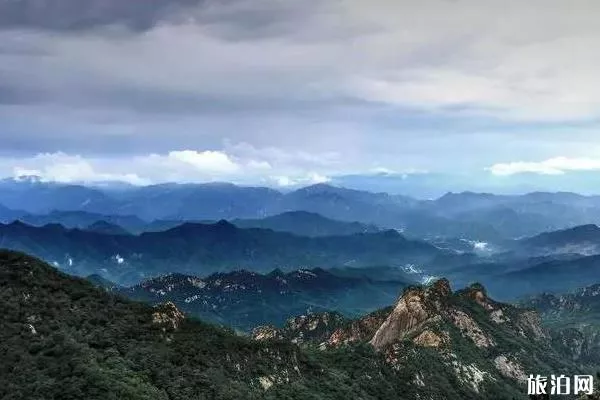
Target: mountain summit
415,308
483,345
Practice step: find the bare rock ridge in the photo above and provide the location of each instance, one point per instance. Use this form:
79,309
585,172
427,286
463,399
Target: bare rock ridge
415,308
425,316
359,330
167,316
476,338
304,328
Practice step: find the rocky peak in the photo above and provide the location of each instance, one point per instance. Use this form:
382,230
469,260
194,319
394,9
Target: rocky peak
267,332
359,330
167,316
314,327
440,288
477,293
417,306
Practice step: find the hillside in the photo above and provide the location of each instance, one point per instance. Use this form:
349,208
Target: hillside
64,339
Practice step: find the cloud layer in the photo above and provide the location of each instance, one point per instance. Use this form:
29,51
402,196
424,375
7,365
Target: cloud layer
284,91
187,166
553,166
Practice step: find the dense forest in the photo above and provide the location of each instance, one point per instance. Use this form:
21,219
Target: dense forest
63,338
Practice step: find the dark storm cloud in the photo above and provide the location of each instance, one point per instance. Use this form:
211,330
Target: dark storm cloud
11,95
66,15
381,83
233,19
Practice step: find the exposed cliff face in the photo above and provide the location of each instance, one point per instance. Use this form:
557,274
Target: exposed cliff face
469,328
510,369
479,341
530,325
267,332
167,316
436,307
484,342
313,328
426,316
428,338
360,330
478,294
416,307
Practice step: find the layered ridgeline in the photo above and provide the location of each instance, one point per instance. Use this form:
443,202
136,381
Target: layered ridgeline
244,299
201,249
301,223
477,216
64,339
555,261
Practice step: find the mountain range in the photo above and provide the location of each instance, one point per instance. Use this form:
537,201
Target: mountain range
201,249
582,240
301,223
64,338
475,216
555,261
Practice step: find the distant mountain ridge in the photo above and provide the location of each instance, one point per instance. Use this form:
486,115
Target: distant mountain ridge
301,223
306,223
107,228
83,220
584,240
201,249
473,215
551,275
9,215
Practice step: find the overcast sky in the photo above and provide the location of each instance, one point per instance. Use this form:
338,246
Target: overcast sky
287,92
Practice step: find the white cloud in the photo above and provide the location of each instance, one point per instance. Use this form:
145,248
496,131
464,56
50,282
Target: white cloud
60,167
175,166
206,161
553,166
310,179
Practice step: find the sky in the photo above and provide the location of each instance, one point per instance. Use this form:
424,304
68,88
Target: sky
284,93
